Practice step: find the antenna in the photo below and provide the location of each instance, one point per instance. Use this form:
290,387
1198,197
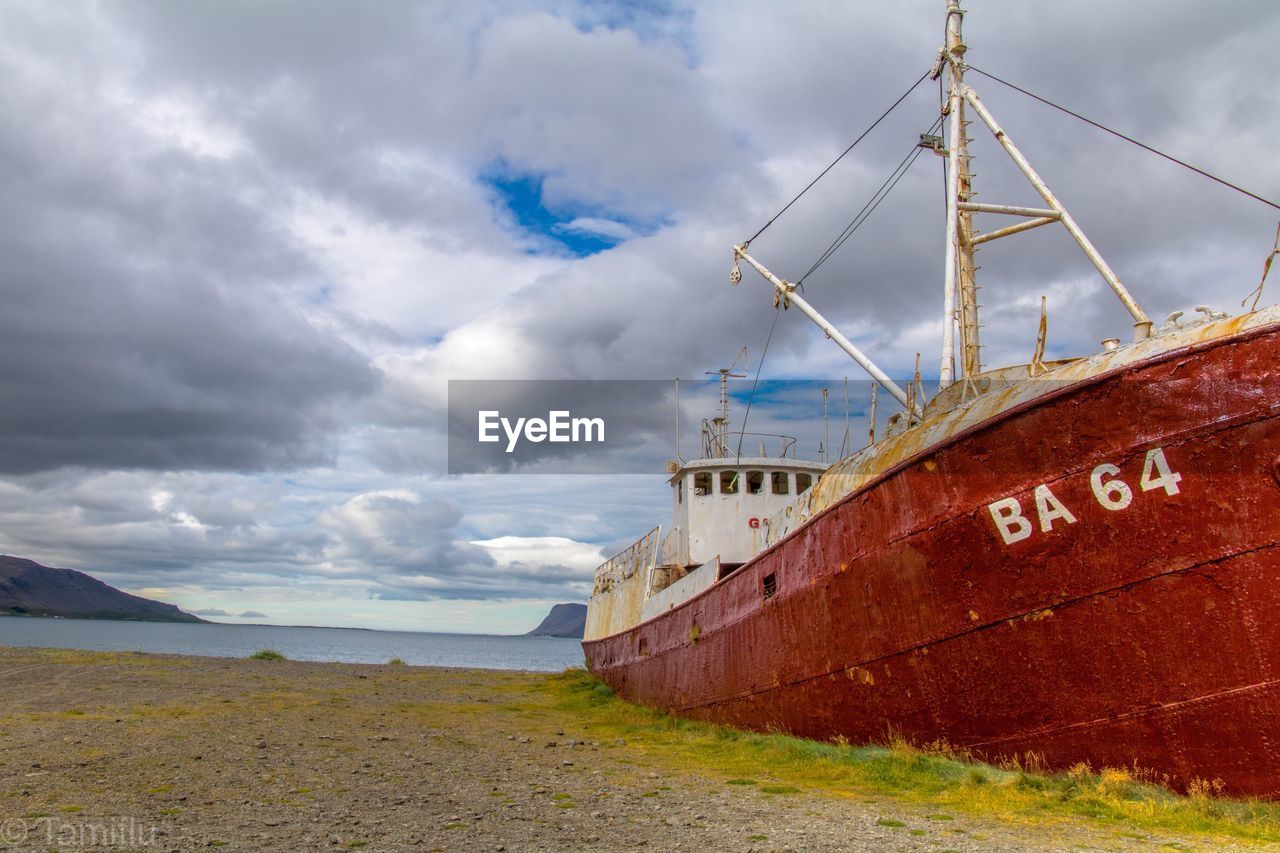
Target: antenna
874,389
721,424
844,442
826,429
677,419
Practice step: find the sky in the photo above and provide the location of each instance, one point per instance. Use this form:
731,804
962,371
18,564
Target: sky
245,245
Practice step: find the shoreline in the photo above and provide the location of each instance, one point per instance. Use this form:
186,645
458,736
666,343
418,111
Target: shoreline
199,620
188,751
335,645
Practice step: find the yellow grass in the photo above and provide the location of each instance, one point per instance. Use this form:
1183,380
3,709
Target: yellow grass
936,775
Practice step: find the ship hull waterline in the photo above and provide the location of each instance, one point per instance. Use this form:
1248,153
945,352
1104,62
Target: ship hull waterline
1093,576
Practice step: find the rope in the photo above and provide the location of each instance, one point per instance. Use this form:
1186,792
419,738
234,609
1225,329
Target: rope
823,173
751,399
870,207
1141,145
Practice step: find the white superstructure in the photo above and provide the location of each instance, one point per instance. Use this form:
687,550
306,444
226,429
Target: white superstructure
721,506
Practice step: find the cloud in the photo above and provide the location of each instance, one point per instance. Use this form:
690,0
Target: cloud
148,319
617,231
244,247
409,548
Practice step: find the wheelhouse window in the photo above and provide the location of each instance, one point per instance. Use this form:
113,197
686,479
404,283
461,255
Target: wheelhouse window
702,483
755,482
780,482
728,482
803,482
680,491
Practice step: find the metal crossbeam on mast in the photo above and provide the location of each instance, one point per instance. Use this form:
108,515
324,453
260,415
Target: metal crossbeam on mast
959,282
786,291
1141,322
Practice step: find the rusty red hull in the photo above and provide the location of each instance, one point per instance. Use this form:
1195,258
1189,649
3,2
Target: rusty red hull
1142,631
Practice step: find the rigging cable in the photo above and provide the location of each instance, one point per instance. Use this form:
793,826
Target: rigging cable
870,207
742,433
1141,145
823,173
862,216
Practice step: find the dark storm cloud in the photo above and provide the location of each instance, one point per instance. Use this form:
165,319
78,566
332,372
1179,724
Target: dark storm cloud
146,322
347,101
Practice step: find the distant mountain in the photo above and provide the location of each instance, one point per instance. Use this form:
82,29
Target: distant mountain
30,589
564,620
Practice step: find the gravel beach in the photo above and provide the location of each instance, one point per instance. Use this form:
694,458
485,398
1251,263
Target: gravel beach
180,753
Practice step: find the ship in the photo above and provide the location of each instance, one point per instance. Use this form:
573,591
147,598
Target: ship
1064,562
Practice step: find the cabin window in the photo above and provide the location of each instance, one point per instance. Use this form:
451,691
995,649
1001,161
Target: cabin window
781,484
728,482
755,482
702,483
679,491
770,586
803,482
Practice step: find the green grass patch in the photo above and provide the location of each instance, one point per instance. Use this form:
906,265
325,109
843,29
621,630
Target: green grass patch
267,654
779,789
936,776
888,821
395,662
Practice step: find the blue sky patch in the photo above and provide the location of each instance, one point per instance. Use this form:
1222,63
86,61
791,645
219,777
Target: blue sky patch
581,231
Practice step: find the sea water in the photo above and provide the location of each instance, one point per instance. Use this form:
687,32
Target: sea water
348,645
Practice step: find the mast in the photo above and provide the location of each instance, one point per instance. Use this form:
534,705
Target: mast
959,280
960,288
960,284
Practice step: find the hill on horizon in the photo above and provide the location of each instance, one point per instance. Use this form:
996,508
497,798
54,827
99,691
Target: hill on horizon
30,589
564,620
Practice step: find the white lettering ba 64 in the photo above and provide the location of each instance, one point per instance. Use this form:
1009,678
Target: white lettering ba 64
559,427
1111,492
